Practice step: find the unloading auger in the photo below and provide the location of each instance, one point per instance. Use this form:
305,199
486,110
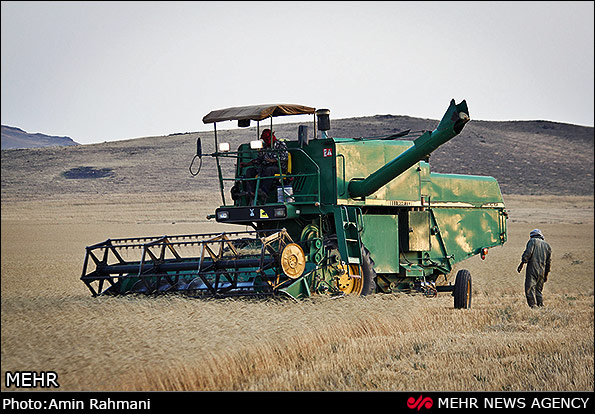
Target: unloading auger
352,216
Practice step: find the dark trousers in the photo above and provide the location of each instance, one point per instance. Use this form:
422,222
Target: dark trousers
265,183
533,289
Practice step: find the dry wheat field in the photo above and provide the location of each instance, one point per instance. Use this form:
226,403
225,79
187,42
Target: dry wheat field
377,343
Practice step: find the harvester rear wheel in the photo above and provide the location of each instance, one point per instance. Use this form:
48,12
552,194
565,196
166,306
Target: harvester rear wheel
462,290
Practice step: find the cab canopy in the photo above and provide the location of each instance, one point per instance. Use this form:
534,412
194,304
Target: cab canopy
256,112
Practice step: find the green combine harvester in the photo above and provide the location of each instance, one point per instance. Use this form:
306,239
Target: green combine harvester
350,216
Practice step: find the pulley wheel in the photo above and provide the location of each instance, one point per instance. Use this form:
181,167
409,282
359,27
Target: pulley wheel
293,260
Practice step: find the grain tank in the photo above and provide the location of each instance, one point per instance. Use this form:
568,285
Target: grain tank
348,216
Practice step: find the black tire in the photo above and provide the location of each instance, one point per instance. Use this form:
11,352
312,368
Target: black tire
462,291
368,273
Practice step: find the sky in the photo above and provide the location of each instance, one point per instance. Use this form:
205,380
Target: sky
104,71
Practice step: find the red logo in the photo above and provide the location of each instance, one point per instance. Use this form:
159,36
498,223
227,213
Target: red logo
327,152
420,403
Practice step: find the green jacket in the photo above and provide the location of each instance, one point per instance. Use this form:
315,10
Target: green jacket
538,256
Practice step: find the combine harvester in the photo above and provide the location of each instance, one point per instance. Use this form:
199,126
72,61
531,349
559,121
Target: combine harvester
350,216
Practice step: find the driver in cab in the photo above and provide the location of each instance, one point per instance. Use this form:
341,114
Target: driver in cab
266,164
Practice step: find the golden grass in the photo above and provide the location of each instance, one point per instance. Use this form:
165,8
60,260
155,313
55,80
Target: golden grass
382,342
402,343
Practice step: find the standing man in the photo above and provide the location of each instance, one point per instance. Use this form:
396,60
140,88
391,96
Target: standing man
538,256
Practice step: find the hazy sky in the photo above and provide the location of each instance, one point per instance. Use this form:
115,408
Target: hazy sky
102,71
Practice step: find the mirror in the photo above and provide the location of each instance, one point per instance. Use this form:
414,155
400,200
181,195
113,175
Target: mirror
198,148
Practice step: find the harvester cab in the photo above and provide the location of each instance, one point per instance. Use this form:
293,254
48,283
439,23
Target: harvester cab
342,216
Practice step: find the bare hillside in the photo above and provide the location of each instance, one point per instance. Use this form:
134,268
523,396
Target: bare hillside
13,137
526,157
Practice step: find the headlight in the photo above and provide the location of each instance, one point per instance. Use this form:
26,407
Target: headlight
280,212
256,145
222,215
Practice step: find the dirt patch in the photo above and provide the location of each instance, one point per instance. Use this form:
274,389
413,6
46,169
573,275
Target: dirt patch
79,173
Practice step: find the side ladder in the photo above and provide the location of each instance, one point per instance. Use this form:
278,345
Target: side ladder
348,223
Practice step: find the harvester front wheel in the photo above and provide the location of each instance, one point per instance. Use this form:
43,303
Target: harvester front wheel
462,290
362,282
368,273
350,281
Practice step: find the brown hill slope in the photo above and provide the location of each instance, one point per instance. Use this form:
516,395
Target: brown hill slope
13,137
526,157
